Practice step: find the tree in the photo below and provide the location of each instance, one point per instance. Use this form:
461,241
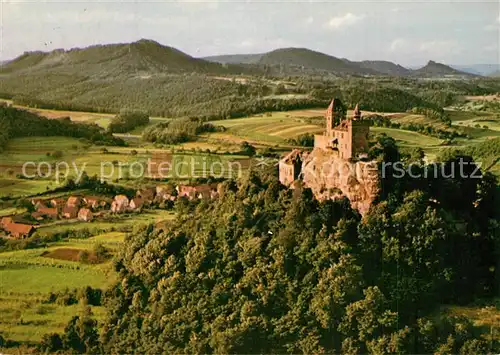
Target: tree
247,149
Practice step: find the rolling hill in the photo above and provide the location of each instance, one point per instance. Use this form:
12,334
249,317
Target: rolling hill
235,58
297,61
434,69
308,60
385,67
144,56
478,69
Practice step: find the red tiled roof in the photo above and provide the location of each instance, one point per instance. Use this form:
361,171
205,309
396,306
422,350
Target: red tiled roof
72,210
84,212
19,228
74,200
47,211
6,220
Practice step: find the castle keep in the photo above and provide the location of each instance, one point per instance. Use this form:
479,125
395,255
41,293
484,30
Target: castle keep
345,137
336,166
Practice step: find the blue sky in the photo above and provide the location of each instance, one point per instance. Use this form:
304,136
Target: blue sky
406,32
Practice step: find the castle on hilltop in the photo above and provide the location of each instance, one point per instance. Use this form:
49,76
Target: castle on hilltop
345,138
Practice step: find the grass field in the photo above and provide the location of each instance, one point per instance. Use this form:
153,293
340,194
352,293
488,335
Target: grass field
27,277
110,163
272,128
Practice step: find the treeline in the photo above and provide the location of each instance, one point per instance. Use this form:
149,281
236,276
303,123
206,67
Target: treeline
303,140
128,120
15,123
207,97
178,131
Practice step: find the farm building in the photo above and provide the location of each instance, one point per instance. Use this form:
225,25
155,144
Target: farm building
5,221
70,211
74,201
85,214
48,212
136,203
19,230
120,204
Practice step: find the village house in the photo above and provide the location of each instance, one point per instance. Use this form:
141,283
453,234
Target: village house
136,203
165,192
48,212
38,203
85,214
58,203
92,202
69,211
5,221
38,216
188,192
147,194
120,204
19,230
75,201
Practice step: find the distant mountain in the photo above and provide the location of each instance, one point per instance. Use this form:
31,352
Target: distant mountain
309,60
434,69
144,56
235,58
385,67
478,69
296,61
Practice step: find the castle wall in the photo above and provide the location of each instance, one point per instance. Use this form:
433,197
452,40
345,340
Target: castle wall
344,143
287,173
321,141
360,131
329,177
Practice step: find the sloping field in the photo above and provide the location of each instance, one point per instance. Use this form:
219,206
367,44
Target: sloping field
265,129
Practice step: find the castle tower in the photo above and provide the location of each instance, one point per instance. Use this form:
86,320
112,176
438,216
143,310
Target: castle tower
357,113
329,115
335,113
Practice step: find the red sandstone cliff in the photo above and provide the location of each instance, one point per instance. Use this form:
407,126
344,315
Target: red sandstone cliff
329,176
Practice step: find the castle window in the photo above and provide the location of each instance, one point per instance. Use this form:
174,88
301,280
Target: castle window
342,135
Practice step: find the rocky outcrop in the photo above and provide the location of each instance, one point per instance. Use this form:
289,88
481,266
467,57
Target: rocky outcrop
329,177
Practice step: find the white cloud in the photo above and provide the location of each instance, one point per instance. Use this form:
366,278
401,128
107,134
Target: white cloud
309,20
348,19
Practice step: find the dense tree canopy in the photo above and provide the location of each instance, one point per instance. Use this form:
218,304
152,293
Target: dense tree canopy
127,120
20,123
269,270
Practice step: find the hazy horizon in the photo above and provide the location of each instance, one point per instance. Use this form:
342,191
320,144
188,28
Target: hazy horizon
406,33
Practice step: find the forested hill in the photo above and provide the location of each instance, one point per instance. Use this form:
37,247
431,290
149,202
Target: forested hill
385,67
141,57
235,58
434,69
164,81
16,123
307,59
266,270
